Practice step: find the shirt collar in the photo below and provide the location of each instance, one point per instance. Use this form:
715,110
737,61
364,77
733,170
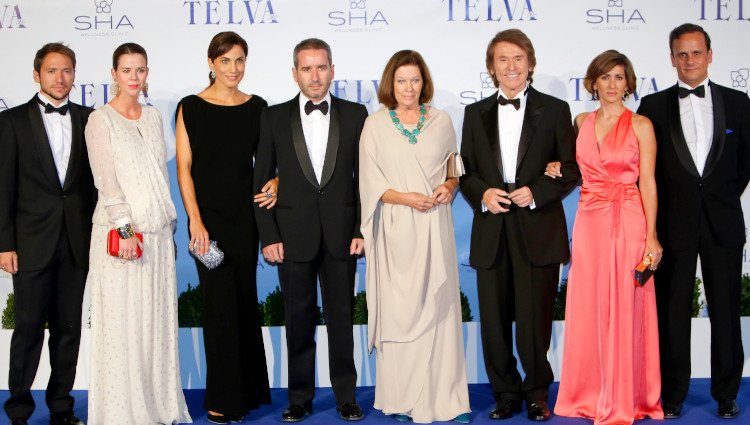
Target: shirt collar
303,99
681,83
43,97
520,95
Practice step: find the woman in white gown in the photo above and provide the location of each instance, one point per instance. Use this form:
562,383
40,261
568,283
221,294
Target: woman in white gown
134,363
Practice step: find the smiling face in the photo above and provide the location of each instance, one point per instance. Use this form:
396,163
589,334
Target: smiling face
407,86
229,67
691,58
612,85
314,73
55,77
131,74
510,66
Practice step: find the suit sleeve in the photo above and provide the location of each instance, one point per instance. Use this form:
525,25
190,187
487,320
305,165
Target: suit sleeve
8,184
744,160
545,189
358,219
471,182
99,144
265,169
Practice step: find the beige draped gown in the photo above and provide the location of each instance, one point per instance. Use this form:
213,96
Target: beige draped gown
413,301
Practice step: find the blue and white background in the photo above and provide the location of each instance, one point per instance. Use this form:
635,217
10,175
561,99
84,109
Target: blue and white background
452,35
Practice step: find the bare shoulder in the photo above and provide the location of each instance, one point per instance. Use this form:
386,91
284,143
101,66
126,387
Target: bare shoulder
641,123
580,118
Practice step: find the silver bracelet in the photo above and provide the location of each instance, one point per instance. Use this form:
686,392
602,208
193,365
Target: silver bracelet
126,231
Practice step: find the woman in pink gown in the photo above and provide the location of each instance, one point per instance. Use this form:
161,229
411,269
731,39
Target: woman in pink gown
610,370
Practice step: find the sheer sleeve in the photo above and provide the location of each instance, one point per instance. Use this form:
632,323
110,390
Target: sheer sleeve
101,157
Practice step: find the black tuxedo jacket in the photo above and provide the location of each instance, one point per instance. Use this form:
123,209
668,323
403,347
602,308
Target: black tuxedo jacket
547,135
682,191
34,206
308,211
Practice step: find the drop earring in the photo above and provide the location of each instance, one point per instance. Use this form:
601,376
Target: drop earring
114,88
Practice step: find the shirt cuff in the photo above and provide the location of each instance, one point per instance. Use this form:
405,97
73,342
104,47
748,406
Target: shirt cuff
532,205
484,207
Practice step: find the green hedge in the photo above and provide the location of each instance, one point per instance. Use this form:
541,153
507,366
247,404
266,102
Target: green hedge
189,307
271,309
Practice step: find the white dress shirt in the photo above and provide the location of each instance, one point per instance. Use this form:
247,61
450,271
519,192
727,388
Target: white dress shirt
315,126
697,119
509,125
59,133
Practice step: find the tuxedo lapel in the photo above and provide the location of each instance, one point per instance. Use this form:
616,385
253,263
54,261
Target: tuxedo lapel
76,145
41,141
676,133
300,147
332,148
531,119
489,121
720,130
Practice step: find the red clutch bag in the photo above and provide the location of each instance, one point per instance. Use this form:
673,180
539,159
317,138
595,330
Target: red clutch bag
113,243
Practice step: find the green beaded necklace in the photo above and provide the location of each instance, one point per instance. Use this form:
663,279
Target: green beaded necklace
411,135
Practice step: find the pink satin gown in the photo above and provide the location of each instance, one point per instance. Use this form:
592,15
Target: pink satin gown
610,370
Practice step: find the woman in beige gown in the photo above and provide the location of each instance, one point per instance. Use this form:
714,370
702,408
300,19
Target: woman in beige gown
412,272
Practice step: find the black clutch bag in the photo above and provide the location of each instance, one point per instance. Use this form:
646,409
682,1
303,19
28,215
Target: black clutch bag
643,272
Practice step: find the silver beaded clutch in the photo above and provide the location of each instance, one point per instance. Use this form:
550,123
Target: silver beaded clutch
212,258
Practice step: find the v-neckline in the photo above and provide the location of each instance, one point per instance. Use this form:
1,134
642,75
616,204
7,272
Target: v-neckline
599,146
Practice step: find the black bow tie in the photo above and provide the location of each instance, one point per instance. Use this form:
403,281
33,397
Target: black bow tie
515,102
48,108
322,107
699,91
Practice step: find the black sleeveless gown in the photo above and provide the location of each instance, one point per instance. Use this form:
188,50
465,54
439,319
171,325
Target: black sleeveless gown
223,140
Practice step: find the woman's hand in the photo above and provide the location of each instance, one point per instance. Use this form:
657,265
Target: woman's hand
653,250
268,194
129,248
418,201
553,170
442,194
199,241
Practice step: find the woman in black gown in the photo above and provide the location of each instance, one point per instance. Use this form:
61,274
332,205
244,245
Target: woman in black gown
217,134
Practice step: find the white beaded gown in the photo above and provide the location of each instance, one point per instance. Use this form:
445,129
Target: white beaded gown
134,358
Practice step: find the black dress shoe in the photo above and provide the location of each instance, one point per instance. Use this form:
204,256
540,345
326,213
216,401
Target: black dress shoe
728,408
296,412
504,409
18,421
671,410
538,410
224,419
350,411
67,418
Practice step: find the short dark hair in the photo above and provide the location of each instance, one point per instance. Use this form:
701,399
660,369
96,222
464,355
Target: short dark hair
399,59
603,63
513,36
686,29
127,49
53,48
312,43
222,43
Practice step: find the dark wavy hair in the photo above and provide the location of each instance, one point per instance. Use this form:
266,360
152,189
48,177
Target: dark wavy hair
222,43
399,59
513,36
53,48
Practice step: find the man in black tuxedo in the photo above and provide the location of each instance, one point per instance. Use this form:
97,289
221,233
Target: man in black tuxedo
312,142
47,198
703,166
519,236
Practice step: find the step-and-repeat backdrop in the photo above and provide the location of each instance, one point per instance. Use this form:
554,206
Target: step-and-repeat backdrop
452,36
